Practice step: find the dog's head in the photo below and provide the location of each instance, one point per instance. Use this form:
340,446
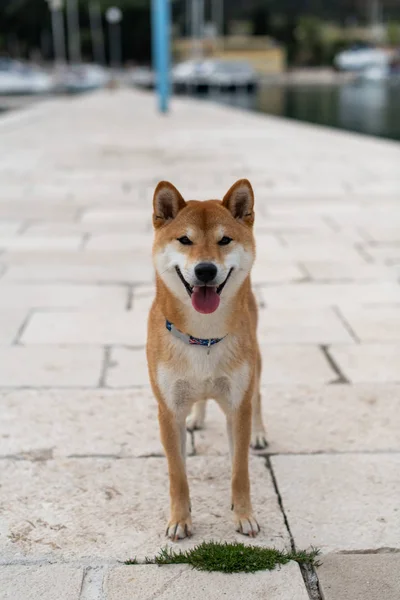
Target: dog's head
203,250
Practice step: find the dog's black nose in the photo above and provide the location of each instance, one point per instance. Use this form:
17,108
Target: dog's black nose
205,272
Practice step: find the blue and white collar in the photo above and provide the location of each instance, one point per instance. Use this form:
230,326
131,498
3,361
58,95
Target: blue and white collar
189,339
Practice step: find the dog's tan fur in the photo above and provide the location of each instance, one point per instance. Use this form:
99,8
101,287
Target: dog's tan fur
183,377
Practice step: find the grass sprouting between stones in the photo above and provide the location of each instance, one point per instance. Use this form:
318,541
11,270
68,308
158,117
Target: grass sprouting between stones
231,558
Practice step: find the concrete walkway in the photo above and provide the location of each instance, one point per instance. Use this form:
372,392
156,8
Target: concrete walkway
83,481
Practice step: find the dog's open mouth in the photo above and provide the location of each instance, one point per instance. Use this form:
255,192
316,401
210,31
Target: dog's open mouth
205,298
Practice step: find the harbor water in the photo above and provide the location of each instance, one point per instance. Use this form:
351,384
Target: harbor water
371,108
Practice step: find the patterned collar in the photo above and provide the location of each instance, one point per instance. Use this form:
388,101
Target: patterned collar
189,339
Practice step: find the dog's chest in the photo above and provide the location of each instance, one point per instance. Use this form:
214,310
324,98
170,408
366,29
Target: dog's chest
198,373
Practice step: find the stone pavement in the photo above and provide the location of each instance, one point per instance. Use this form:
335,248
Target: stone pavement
83,480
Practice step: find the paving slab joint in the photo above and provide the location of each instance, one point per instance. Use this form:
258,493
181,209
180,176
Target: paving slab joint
129,300
92,584
193,449
311,582
341,377
383,550
85,239
106,364
280,501
346,324
24,226
363,253
307,277
331,223
17,340
308,572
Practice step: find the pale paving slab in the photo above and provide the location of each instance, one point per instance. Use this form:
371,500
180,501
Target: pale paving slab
374,323
317,188
116,327
213,123
304,250
137,272
9,228
178,582
79,258
37,211
333,294
341,502
141,581
117,509
336,235
267,272
20,295
282,364
360,576
345,207
124,422
42,582
342,271
125,227
376,187
301,326
349,231
269,245
287,222
388,254
385,233
295,365
139,242
127,367
11,321
123,214
143,297
145,290
340,214
365,211
375,363
47,366
60,423
305,419
32,243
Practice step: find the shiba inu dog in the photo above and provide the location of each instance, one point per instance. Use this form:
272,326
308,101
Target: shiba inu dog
202,336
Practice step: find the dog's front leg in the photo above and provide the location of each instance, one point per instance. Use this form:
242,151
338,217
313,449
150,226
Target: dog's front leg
239,426
173,437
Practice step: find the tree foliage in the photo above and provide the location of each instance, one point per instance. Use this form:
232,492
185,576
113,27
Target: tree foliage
26,25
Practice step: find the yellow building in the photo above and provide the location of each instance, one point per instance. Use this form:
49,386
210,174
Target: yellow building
265,56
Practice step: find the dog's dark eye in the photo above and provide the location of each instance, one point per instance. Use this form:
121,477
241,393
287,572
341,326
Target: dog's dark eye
224,241
185,240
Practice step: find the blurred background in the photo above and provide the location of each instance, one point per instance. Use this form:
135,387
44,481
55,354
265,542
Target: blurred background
335,63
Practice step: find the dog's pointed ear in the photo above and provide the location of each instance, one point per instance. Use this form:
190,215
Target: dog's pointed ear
167,202
239,200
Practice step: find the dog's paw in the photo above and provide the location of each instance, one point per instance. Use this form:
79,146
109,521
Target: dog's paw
178,530
247,524
194,422
258,440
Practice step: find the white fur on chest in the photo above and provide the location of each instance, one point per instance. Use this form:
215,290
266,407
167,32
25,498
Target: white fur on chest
194,374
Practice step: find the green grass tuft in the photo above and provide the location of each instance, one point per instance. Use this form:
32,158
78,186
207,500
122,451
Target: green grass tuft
131,561
231,558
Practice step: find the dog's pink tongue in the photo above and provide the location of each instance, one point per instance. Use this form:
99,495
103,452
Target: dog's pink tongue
205,299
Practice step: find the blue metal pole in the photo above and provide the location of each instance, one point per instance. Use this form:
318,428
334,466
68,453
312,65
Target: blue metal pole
160,10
